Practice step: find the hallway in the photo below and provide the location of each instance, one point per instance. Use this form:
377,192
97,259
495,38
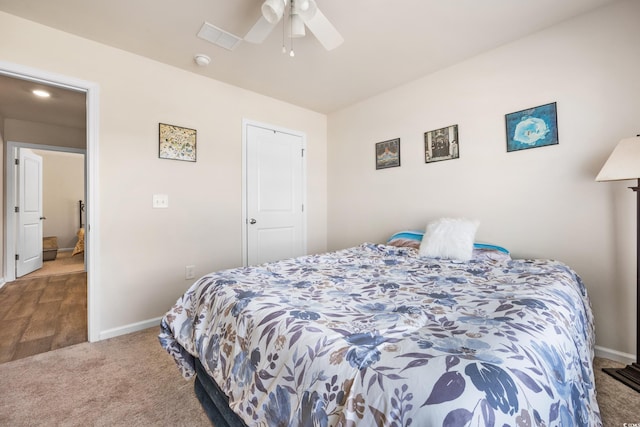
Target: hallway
40,314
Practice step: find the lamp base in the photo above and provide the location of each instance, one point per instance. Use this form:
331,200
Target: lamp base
629,375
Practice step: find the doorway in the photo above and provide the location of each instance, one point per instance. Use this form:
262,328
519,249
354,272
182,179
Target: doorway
60,213
63,212
90,108
274,183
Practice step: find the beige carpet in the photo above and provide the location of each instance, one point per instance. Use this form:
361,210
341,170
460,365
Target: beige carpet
132,381
63,264
124,381
619,404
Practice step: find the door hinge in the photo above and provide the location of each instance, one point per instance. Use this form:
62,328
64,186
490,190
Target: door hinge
303,207
17,257
302,152
17,161
16,209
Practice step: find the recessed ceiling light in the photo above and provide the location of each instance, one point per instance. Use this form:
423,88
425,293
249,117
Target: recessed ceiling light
41,93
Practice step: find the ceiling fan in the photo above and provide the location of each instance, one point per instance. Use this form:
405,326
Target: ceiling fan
301,13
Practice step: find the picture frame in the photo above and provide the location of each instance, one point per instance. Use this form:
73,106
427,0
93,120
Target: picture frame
532,128
441,144
176,142
388,154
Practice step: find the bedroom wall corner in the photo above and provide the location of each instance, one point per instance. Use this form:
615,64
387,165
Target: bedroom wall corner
539,203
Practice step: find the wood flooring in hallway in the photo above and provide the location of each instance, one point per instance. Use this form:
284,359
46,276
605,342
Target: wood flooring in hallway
42,314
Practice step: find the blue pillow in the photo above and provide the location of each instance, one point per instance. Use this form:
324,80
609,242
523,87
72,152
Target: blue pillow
412,238
490,246
411,235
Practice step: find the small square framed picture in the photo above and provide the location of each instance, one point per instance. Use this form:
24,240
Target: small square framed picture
533,127
177,143
388,154
441,144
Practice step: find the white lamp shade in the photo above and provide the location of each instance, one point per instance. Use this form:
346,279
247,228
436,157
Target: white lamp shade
310,11
272,10
297,26
623,163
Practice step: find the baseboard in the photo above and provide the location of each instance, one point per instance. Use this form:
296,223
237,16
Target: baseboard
2,282
127,329
618,356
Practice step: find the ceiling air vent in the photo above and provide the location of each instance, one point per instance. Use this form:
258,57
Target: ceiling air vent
218,36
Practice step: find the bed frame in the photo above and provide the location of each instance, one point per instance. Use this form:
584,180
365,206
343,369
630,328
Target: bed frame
214,401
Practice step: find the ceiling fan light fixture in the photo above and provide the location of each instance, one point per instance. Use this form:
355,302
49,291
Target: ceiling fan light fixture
310,10
297,26
272,10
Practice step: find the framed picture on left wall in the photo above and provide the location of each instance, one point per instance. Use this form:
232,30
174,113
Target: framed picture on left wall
388,154
177,143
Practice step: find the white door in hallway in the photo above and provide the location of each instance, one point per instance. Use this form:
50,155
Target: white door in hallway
275,221
29,213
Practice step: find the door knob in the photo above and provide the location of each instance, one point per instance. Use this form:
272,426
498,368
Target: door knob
252,221
43,217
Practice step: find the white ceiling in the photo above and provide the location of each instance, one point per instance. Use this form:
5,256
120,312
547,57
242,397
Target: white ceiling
387,42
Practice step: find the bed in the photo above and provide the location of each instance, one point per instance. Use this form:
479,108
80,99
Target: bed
382,335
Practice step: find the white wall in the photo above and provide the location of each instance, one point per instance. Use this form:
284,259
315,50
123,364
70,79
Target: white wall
541,202
43,133
144,251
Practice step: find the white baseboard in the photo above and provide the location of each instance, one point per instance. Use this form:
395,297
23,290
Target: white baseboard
127,329
618,356
2,282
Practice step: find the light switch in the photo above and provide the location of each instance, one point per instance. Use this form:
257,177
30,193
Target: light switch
160,201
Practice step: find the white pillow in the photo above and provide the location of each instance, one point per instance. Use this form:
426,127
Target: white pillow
449,238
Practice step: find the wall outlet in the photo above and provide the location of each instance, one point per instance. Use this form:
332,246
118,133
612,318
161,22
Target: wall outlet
160,201
190,272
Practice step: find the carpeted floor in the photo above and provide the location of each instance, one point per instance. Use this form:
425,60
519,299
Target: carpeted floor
125,381
131,381
619,404
63,264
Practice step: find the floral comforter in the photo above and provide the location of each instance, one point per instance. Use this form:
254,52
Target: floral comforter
376,335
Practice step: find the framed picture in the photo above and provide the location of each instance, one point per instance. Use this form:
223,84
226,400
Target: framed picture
531,128
388,154
441,144
177,143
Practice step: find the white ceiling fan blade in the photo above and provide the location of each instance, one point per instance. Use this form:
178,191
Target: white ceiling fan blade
324,31
260,30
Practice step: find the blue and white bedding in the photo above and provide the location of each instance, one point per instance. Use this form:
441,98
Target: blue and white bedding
375,335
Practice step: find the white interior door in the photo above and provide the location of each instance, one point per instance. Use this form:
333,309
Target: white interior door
29,214
274,190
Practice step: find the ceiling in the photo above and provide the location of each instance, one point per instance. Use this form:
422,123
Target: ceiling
387,42
64,107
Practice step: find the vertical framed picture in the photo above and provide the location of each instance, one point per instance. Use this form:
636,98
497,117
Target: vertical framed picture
533,127
177,143
441,144
388,154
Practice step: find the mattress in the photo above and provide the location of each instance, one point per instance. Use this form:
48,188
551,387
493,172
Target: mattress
378,335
